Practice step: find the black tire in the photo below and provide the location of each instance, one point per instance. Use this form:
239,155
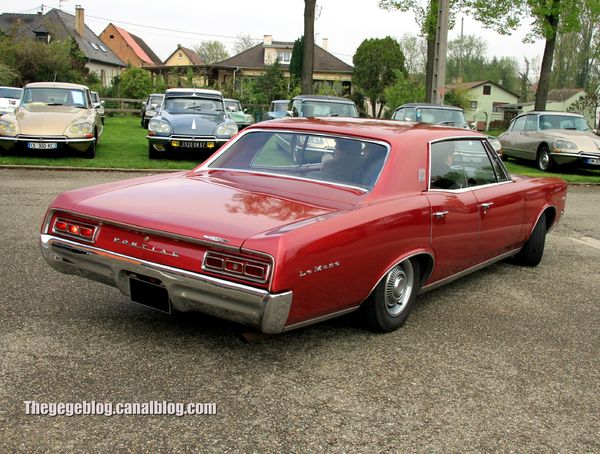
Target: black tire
153,153
532,251
388,307
145,123
90,153
544,160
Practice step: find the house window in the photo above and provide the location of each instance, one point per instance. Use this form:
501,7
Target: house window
487,89
102,48
284,57
473,105
95,46
112,36
43,37
180,55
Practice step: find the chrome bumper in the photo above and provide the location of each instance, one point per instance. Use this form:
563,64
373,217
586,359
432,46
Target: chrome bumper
188,291
566,158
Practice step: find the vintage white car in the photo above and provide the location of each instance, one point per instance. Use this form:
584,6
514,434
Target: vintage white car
53,116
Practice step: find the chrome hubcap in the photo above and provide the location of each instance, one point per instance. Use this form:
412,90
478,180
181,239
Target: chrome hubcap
544,159
398,288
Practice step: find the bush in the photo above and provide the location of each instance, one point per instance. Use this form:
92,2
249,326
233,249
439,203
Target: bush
499,125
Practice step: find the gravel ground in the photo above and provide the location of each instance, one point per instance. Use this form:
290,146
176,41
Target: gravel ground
505,359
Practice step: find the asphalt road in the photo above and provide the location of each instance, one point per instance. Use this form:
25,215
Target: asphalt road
507,359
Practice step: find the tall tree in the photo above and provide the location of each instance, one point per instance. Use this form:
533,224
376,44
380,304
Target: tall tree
242,43
309,46
375,63
297,59
211,51
414,49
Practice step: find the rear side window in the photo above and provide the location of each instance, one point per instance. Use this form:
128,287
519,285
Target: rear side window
518,124
459,164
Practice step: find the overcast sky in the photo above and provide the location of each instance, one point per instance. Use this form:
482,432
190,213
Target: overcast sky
346,23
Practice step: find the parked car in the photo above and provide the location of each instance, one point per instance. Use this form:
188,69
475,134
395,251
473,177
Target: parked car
10,97
150,108
277,109
53,116
98,105
323,106
551,139
190,119
260,235
237,114
438,114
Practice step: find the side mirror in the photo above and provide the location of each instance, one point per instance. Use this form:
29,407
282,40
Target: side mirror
153,106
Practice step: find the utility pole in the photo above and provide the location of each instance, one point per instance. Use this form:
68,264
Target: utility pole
460,60
438,83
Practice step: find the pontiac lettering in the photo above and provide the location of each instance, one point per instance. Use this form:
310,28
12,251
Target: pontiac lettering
145,247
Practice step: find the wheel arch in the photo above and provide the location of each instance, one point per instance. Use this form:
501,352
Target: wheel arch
426,263
542,145
550,212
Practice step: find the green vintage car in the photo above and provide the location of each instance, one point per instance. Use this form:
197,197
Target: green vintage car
237,114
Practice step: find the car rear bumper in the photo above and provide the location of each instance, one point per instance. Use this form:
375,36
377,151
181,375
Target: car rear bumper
188,291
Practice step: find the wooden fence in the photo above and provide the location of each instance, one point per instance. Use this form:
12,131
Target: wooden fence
123,105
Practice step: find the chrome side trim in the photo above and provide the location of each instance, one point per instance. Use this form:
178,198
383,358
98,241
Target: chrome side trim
583,155
322,318
188,291
463,273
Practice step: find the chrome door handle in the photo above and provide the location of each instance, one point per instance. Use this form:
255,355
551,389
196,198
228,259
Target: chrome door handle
487,205
440,214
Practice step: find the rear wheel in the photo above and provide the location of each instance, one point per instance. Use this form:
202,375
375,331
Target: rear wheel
544,160
532,251
392,300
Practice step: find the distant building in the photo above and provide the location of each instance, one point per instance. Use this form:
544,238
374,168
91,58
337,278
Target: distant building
130,48
254,61
56,25
487,101
182,56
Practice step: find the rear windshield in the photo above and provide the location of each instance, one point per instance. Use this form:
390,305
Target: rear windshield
310,156
55,97
193,105
328,109
448,117
233,106
12,93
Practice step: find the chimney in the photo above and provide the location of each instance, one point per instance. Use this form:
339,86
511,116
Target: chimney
325,43
268,40
79,20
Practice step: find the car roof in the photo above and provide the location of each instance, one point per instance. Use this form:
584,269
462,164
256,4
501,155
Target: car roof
549,112
324,98
366,128
55,85
230,99
426,104
12,88
195,91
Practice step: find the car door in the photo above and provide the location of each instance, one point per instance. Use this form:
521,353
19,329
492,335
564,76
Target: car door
530,138
500,204
512,139
454,211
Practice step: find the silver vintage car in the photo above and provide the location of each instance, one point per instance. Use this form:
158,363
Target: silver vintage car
551,139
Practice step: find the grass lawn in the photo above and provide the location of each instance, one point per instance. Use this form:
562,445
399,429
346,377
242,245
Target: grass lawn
124,145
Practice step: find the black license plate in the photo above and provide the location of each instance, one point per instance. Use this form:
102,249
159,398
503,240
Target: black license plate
151,295
188,144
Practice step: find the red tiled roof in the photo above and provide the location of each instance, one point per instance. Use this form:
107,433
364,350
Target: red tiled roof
134,45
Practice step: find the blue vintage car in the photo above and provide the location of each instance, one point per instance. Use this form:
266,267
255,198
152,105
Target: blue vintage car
190,119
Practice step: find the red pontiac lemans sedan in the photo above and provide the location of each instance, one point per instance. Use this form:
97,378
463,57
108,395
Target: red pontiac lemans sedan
298,220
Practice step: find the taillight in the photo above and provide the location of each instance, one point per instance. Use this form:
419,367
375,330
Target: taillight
75,229
236,266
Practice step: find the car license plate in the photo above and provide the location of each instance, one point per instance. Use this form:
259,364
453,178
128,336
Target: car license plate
151,295
594,162
189,144
42,145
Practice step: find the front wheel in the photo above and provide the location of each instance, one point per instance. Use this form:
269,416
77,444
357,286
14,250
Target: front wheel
544,160
392,300
153,153
532,251
90,153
